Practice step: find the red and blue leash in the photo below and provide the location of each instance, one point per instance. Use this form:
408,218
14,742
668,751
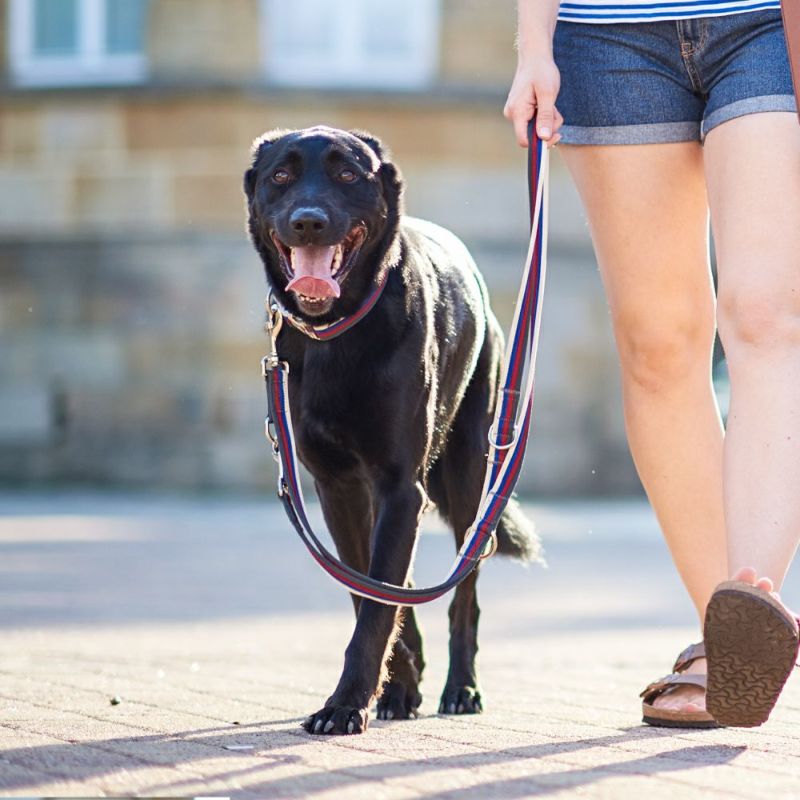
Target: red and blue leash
508,434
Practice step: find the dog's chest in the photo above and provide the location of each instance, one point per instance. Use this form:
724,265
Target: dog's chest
334,406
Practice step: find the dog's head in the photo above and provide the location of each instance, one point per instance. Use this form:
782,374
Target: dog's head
324,206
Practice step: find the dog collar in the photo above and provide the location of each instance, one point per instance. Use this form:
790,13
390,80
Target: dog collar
331,330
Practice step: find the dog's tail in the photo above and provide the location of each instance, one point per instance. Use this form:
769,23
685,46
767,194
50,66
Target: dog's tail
516,535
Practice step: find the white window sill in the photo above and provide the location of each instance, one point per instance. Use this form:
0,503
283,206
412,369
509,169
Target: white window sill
54,72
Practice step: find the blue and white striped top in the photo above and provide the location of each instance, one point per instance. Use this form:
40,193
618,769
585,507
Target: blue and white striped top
654,10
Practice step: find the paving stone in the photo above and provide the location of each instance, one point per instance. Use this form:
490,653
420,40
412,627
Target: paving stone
560,668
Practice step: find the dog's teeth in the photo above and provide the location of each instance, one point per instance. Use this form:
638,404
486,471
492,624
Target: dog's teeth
328,726
337,260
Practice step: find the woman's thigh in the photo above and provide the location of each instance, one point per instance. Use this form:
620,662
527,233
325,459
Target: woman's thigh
647,212
753,176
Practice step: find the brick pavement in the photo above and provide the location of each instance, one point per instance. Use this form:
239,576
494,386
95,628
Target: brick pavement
215,631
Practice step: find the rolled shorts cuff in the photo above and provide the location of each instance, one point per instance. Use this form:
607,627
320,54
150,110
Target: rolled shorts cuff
650,133
749,105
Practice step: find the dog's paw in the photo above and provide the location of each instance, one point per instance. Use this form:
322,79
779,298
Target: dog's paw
460,700
337,720
399,701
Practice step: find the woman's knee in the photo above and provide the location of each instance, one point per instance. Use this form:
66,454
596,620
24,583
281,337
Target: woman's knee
758,317
660,353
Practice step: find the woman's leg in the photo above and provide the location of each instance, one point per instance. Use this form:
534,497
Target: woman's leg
647,212
753,175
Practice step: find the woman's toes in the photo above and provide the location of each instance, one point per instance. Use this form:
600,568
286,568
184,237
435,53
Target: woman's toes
765,584
746,575
686,698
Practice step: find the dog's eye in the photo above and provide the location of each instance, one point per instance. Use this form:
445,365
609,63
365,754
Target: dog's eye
280,176
347,176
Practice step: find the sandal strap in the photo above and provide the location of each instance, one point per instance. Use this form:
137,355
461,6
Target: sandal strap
689,656
659,687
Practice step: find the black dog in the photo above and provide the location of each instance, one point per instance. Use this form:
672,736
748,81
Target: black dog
394,411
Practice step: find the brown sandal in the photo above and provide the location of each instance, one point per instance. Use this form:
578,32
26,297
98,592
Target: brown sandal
752,643
673,718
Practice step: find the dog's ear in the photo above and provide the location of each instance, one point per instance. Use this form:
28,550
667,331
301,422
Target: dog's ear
250,182
390,175
257,150
374,144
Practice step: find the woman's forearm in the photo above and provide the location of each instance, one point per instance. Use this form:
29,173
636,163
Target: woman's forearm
537,81
536,22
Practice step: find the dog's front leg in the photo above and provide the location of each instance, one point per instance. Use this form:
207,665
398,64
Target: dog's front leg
394,536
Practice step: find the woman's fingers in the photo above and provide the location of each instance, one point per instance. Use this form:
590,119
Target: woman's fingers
546,114
519,109
556,137
535,88
548,120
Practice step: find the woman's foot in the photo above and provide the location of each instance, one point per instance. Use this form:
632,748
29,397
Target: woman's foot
678,699
685,698
752,643
693,698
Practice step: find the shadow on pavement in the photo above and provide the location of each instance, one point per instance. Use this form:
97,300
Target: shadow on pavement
181,748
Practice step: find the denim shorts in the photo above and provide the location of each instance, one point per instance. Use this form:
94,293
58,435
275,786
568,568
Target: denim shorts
669,81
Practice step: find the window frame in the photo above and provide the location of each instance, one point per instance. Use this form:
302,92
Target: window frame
91,64
352,68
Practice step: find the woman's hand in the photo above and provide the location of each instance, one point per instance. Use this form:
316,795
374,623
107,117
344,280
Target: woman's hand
535,86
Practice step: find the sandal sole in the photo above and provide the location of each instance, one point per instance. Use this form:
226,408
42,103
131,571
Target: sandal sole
678,722
751,645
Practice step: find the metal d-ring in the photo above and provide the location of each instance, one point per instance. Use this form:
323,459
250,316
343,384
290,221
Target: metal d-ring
491,436
492,549
272,437
483,555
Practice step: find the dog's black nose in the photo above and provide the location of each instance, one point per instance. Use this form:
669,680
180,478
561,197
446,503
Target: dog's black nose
306,221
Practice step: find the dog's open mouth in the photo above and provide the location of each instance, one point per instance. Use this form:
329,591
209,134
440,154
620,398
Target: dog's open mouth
316,272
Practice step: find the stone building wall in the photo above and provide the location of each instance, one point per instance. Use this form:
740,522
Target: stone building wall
131,302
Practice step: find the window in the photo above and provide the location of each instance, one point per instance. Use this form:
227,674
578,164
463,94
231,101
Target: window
72,42
351,43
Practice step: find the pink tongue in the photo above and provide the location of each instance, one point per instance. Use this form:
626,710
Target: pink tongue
312,272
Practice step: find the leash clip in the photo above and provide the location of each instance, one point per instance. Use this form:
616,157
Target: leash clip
273,325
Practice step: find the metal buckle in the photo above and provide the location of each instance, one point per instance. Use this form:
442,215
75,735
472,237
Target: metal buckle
491,436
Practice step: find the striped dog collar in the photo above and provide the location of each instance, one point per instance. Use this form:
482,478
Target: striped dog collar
331,330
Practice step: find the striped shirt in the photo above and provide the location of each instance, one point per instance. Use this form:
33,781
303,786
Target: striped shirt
600,11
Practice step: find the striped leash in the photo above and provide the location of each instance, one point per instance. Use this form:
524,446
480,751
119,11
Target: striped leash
508,433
